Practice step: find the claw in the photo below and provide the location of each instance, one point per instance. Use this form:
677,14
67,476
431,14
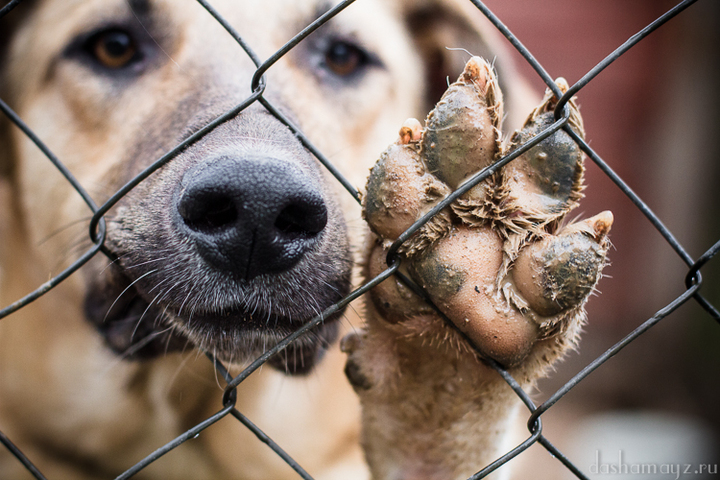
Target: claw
411,131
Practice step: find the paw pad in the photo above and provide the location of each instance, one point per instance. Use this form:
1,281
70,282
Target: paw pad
498,261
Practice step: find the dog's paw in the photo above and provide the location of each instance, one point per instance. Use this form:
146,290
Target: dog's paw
499,262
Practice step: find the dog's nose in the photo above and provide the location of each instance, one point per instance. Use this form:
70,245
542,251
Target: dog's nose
252,215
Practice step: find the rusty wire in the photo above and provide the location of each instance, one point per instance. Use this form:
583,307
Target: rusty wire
693,280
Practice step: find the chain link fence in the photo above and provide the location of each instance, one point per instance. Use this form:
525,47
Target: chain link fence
693,280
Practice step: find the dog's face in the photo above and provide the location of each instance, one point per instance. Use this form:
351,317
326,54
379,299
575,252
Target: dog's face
241,237
233,243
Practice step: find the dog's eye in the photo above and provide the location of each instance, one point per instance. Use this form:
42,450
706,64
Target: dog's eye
113,49
344,59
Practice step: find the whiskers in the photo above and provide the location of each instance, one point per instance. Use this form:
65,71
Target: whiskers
68,242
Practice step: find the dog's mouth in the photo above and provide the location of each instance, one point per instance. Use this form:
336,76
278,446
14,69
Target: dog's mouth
137,326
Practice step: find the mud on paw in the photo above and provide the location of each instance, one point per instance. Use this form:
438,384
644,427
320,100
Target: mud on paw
500,262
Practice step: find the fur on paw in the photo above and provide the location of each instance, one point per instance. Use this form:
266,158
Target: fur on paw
500,261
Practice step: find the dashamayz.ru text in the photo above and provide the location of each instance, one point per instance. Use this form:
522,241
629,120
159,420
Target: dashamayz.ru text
673,470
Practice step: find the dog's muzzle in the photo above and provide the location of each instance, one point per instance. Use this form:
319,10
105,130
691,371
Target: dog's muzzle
232,246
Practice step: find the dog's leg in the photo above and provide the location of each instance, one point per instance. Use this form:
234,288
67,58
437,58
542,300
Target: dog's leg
510,278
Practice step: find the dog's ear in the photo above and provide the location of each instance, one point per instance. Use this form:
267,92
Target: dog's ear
446,32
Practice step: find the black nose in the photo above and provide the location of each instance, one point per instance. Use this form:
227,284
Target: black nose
250,216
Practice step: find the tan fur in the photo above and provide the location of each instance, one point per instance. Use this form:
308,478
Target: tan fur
78,410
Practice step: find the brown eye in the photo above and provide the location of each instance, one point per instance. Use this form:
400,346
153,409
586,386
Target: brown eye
114,49
344,59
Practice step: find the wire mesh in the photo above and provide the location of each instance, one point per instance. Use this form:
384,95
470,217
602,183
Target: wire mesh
693,280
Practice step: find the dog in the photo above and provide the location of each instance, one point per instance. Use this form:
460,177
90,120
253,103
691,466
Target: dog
228,247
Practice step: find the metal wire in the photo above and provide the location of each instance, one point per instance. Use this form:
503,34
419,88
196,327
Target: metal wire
693,280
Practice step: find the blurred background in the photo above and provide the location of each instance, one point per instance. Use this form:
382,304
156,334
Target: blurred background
654,117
